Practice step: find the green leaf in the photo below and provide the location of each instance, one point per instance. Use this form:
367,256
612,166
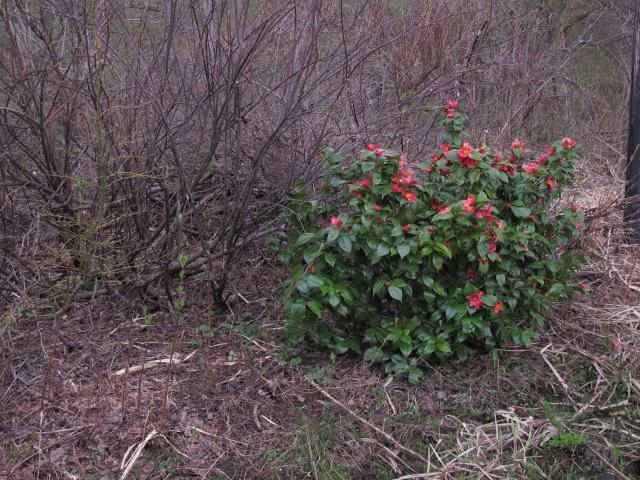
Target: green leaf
330,259
395,293
315,281
521,212
334,300
436,260
439,289
500,278
489,300
378,285
482,326
315,306
374,354
415,375
404,249
451,312
304,238
527,336
382,250
443,249
406,348
333,234
345,243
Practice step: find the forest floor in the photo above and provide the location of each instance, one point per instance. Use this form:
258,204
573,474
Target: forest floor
220,396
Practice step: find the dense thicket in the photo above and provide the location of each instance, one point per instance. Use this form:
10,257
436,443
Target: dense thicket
136,132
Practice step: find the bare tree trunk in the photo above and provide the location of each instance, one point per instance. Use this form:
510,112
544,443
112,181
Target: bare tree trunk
632,190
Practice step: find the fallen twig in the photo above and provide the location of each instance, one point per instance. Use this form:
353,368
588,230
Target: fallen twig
153,363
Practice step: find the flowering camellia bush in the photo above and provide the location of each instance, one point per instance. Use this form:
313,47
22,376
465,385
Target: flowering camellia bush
404,262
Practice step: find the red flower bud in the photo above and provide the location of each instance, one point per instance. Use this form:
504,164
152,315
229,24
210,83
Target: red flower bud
550,182
497,307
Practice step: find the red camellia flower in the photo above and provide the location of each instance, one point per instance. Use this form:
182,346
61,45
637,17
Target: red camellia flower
475,300
445,148
406,177
435,158
464,155
574,208
517,144
443,210
542,159
465,150
335,222
568,143
410,196
366,183
578,225
451,114
530,167
396,188
371,147
550,182
492,245
484,213
468,204
453,104
616,344
508,169
471,274
377,208
552,150
312,268
406,228
379,152
498,307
